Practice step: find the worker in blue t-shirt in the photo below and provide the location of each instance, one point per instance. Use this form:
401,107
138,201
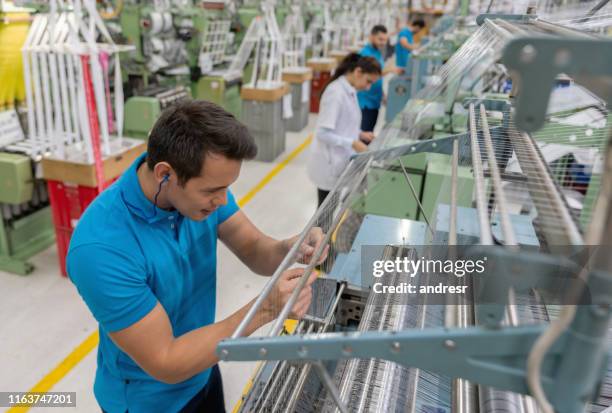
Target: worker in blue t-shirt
405,42
371,99
144,259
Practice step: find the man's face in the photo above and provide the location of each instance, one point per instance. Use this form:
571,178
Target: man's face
202,195
379,40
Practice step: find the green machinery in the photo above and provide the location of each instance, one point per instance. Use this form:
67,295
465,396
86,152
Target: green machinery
220,81
249,10
142,111
26,227
427,173
178,49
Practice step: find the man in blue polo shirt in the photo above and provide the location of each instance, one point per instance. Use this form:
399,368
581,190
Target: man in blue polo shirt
143,257
405,42
371,99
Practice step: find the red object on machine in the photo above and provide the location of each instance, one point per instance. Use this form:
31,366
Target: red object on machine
94,127
319,81
68,201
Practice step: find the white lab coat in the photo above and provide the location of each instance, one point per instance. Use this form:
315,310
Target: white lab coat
338,125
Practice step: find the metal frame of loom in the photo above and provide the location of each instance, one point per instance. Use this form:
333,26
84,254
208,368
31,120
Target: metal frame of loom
495,352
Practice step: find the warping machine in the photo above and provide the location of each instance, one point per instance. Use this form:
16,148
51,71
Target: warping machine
530,336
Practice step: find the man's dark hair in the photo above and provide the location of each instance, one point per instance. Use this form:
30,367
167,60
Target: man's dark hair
188,130
379,28
418,22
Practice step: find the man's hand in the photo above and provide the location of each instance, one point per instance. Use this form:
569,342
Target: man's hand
283,289
311,243
366,137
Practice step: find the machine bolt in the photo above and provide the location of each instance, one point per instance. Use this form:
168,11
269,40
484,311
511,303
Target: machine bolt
303,352
263,351
450,344
528,54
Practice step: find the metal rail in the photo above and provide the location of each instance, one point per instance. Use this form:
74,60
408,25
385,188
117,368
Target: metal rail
416,196
288,260
486,238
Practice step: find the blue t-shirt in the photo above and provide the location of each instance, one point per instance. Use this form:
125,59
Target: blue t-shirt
372,98
402,54
125,256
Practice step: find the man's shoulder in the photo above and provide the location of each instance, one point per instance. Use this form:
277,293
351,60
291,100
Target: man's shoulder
367,50
104,221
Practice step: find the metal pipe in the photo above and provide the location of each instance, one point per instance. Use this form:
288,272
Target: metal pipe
511,28
486,238
288,260
452,231
416,196
276,373
288,380
594,10
278,324
458,315
329,385
506,225
560,30
531,159
308,366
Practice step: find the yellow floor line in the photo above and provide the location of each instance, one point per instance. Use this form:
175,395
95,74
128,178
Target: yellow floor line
92,341
279,167
63,368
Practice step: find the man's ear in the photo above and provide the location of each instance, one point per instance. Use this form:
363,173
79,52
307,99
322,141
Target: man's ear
163,172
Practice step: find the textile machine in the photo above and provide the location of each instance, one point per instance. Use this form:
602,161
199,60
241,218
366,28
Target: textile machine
530,336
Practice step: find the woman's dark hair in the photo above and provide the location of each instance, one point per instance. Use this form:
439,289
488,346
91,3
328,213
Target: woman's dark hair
188,130
353,61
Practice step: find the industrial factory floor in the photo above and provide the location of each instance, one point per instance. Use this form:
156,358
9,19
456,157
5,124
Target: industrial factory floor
48,336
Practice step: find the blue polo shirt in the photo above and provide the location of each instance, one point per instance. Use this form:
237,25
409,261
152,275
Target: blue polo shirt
372,98
401,54
125,256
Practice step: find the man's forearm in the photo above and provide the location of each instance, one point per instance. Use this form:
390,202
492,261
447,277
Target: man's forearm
269,254
194,352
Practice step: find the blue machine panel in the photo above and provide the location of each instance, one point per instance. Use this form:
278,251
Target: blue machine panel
377,231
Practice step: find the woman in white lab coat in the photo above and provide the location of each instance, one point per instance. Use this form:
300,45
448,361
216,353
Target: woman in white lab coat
338,134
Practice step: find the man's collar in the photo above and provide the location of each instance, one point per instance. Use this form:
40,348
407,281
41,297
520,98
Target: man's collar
374,48
135,199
